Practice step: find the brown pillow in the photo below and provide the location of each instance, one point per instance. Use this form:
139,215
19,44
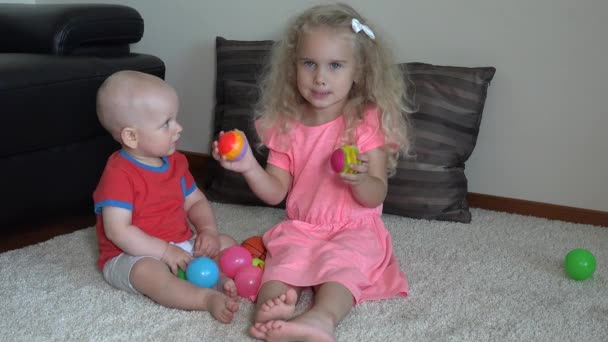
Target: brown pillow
450,102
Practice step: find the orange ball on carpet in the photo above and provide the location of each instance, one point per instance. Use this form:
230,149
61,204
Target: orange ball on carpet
255,246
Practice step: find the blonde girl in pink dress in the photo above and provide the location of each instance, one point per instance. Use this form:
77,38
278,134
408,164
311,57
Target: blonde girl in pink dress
331,82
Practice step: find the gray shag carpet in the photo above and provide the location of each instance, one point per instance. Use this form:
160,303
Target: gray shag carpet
500,278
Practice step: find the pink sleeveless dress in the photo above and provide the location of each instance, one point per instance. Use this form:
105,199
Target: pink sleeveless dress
327,235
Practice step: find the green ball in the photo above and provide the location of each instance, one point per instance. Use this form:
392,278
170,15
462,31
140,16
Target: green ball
580,264
181,274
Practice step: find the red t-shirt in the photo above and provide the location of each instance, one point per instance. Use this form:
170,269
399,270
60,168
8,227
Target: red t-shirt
154,195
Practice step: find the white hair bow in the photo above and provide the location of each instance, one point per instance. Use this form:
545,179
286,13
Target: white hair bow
357,26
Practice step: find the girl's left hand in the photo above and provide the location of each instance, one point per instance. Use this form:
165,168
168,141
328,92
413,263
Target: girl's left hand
362,171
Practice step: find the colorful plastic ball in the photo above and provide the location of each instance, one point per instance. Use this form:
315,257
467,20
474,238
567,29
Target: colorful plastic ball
232,145
255,246
579,264
257,262
233,258
181,274
248,280
342,158
202,272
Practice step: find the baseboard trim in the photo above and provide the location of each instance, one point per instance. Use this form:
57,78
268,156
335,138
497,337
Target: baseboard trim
538,209
198,166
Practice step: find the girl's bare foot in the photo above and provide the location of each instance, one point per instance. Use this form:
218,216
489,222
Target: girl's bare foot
302,328
258,330
227,286
221,307
281,307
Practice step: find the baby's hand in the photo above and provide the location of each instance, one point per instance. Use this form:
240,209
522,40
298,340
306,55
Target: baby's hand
361,174
207,244
176,257
246,163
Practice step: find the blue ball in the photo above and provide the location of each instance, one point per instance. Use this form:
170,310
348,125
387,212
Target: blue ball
203,272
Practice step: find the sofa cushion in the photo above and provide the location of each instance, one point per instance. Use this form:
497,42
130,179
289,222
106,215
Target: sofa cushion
57,93
432,185
69,29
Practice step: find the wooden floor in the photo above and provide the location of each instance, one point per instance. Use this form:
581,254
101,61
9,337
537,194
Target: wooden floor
35,231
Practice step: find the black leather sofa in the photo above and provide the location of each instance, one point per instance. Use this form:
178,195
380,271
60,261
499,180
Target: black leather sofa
53,59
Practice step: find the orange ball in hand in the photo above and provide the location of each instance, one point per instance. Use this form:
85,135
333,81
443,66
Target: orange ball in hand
232,145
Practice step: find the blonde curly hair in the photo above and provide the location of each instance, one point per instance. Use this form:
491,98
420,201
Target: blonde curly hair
379,82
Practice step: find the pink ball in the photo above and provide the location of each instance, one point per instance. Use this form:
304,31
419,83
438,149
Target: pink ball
234,258
248,280
338,159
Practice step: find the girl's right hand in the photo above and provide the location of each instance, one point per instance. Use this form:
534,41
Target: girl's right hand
241,166
176,257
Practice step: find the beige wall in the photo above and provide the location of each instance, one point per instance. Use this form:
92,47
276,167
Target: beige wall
542,135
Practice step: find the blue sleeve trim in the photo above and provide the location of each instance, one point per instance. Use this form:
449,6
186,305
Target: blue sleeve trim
112,203
191,190
186,191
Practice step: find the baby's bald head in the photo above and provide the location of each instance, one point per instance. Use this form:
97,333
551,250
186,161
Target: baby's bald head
125,96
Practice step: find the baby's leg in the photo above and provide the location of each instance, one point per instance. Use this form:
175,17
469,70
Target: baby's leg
332,303
227,286
152,278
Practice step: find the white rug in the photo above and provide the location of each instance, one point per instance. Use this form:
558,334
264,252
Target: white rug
500,278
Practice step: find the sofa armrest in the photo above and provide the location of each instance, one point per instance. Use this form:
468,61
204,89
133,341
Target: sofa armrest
69,29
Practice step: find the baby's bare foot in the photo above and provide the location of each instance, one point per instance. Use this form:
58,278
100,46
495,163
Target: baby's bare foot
221,307
228,287
300,329
281,307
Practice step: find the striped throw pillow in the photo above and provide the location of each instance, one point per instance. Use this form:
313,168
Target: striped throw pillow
450,102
